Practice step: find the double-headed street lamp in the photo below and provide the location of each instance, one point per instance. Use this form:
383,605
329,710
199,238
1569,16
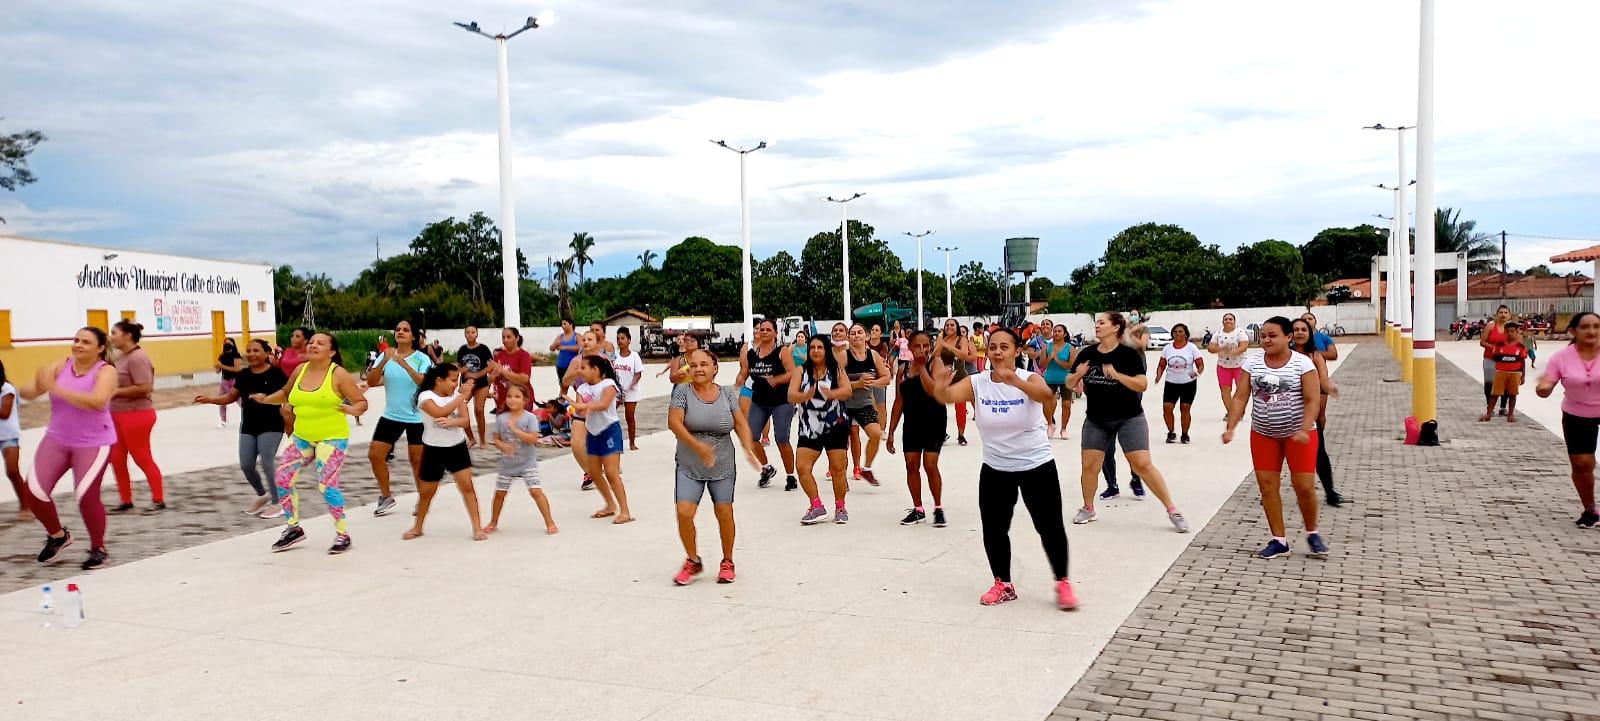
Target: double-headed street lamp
844,236
949,308
744,232
508,209
919,237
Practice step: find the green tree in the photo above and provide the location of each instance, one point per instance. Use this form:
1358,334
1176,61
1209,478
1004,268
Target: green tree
774,286
581,244
1269,273
1541,271
562,279
647,259
14,151
460,253
1336,253
875,272
703,278
976,290
1152,266
1451,234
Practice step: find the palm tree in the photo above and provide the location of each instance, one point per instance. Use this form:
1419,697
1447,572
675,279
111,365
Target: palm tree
581,243
647,258
562,279
1451,234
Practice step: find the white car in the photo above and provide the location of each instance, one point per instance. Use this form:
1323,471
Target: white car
1159,337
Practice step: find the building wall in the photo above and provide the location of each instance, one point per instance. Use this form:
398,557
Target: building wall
187,305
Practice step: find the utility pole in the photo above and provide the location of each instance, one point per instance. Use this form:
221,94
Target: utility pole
1502,265
377,250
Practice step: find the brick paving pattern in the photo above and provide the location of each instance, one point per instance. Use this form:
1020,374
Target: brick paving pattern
204,506
1458,587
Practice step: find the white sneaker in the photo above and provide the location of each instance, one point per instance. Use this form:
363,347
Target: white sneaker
272,511
255,506
222,424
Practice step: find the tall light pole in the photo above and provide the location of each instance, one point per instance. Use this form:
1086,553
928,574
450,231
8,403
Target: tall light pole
508,208
744,232
1424,395
844,237
919,237
949,308
1400,259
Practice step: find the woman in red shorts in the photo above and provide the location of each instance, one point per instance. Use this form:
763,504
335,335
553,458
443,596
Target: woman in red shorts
1284,392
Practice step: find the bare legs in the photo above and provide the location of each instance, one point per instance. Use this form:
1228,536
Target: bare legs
606,472
918,463
539,499
1583,479
686,530
633,425
1305,493
378,456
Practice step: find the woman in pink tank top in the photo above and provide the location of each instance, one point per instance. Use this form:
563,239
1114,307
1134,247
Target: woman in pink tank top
79,437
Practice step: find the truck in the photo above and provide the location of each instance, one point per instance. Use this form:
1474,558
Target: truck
661,341
887,312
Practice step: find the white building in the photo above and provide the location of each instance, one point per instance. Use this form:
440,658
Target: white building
48,290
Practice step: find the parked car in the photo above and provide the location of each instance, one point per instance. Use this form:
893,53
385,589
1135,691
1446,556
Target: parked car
1159,337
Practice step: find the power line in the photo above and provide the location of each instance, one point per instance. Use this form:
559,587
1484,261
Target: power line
1550,237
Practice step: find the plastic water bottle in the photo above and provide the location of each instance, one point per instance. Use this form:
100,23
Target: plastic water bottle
47,604
72,611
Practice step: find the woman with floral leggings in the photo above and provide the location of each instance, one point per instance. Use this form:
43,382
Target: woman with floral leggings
320,438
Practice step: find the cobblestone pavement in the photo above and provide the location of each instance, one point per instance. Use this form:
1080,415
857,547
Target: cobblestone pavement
205,505
1458,589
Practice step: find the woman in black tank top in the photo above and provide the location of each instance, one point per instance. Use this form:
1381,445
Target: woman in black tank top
768,373
867,372
924,431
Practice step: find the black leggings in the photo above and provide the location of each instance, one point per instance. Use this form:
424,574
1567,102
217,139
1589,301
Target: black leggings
997,501
1324,466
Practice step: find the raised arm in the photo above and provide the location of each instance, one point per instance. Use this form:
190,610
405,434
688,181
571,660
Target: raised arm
949,393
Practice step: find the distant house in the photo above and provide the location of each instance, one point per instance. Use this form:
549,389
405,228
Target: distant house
1524,294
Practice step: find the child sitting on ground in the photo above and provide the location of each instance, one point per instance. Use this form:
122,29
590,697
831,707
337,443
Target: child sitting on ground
1510,358
555,424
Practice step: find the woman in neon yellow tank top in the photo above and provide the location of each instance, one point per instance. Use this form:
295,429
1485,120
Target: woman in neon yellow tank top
317,392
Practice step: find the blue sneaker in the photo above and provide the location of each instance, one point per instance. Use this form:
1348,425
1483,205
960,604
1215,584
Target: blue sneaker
813,516
1274,549
841,516
1137,486
1319,547
1109,493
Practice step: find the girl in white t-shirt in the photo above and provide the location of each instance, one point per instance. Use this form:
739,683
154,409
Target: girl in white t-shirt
630,368
1182,364
11,441
597,398
444,444
1010,409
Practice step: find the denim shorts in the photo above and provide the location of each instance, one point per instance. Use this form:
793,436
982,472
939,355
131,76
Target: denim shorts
10,443
605,443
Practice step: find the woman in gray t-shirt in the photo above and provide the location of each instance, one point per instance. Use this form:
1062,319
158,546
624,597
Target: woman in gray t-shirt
702,415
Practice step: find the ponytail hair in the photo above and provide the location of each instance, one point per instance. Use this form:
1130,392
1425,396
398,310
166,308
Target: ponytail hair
432,377
604,366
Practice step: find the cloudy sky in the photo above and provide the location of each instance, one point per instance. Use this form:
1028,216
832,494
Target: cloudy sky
298,132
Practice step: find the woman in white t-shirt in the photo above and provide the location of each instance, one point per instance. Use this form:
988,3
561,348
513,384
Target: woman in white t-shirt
630,368
1182,364
1229,345
11,441
597,399
444,444
1011,405
1283,392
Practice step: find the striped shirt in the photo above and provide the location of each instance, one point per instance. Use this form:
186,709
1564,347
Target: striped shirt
1277,406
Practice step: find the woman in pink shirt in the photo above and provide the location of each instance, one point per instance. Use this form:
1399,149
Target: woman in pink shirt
1577,368
79,438
134,414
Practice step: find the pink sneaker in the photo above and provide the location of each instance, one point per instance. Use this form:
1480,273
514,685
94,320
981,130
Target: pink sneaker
856,474
1001,593
691,568
725,572
1065,598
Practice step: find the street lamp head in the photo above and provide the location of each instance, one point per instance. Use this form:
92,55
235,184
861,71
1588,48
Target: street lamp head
1374,126
469,27
544,19
762,144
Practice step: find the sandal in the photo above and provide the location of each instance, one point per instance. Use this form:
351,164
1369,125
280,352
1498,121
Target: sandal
621,520
603,513
411,534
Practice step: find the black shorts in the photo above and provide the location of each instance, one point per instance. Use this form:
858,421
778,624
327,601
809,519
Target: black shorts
836,438
1581,434
922,437
863,416
1060,391
437,461
389,430
1179,392
561,374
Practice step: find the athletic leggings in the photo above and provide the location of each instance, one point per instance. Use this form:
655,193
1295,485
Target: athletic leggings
327,456
260,450
997,500
961,419
224,388
1324,465
88,465
133,437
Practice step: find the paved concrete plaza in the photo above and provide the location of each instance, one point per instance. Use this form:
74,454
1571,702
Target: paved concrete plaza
1458,587
866,620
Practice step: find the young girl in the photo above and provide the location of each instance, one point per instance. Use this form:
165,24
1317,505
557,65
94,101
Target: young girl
555,425
597,398
516,434
11,442
444,444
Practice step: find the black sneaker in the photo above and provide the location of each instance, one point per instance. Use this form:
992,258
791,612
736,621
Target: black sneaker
961,440
766,476
155,508
1334,499
122,508
341,543
1137,486
913,517
97,559
1110,492
1172,437
588,484
938,518
1184,438
790,483
1588,519
291,536
53,546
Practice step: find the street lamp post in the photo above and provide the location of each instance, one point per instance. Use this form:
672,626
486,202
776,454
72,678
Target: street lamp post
844,237
949,308
1400,260
1424,392
919,237
508,209
744,232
